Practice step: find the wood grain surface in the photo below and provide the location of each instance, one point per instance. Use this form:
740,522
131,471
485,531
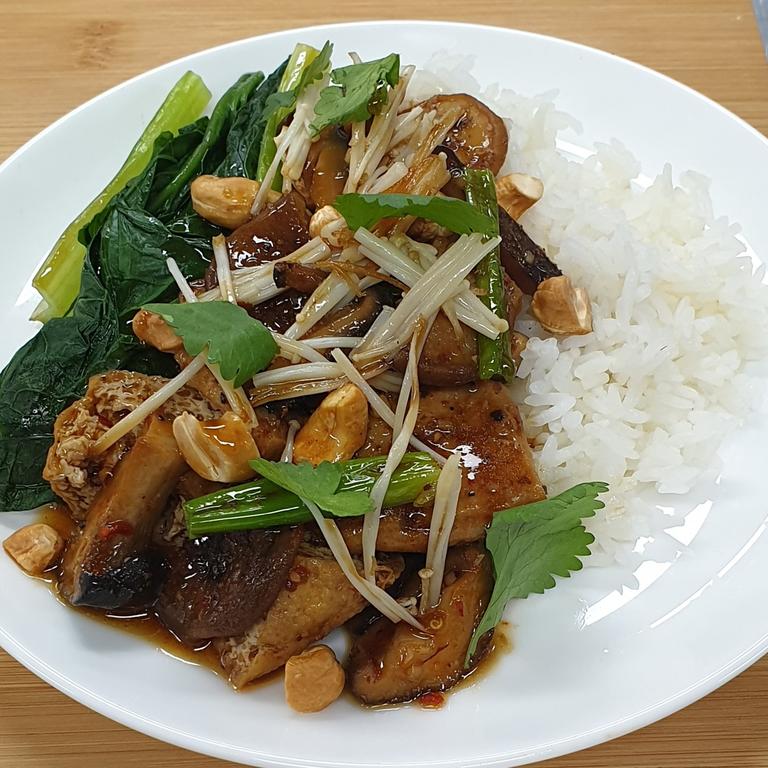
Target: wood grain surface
55,54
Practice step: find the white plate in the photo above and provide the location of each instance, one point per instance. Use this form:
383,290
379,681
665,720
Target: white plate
592,659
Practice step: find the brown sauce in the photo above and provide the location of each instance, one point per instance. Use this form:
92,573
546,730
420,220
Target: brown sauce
147,627
141,624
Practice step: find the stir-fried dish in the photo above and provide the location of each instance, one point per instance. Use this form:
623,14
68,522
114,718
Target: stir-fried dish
271,384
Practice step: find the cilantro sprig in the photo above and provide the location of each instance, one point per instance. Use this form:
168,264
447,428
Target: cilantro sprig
456,215
532,544
318,484
357,92
238,343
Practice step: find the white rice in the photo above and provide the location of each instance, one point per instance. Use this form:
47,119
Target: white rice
679,308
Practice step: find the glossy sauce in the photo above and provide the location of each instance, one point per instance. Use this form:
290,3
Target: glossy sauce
146,626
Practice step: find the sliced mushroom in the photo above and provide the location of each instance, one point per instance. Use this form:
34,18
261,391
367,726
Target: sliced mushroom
447,359
219,585
561,307
478,136
517,192
277,230
524,261
108,565
353,319
217,450
298,277
316,598
326,168
395,662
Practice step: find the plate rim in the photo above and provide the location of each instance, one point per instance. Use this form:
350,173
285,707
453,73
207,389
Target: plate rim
598,735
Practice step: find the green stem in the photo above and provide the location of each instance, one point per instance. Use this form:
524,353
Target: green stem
494,359
302,56
58,279
262,504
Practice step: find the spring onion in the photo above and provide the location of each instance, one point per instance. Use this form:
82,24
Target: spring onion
494,359
262,504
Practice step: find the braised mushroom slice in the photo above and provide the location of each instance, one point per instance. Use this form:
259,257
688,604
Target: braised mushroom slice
523,260
326,169
477,137
277,230
300,278
219,585
108,565
447,359
316,598
395,662
353,319
482,423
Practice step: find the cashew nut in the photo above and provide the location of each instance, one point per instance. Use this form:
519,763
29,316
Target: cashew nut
313,679
217,450
226,201
562,308
517,192
153,330
336,430
329,225
35,548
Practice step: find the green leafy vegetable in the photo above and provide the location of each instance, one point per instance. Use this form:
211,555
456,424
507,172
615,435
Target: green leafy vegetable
349,98
247,131
126,242
58,279
305,66
210,151
319,484
262,504
531,544
42,378
456,215
494,358
238,343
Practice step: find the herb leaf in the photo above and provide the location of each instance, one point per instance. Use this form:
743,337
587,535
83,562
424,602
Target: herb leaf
531,544
456,215
238,343
354,88
318,484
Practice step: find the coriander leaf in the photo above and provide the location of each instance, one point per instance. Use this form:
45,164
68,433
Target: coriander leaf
456,215
238,343
529,545
318,484
356,92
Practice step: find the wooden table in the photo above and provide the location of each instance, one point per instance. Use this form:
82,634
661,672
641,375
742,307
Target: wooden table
55,54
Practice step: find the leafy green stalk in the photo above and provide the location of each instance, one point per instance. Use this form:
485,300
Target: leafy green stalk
531,544
264,504
456,215
222,118
494,359
58,279
302,56
247,131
